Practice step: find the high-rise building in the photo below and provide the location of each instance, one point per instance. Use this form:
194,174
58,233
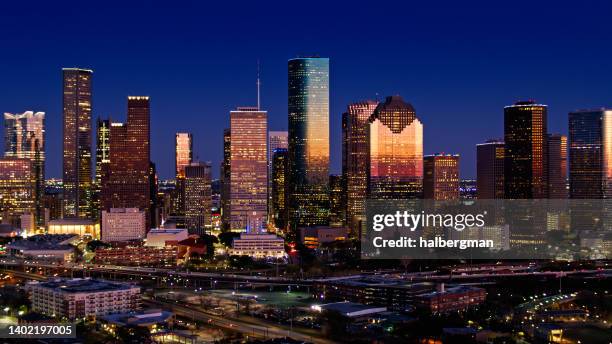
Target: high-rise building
127,179
276,140
77,107
308,142
102,158
355,150
198,196
25,138
525,138
590,154
441,176
490,169
337,201
278,177
249,170
123,224
225,179
395,136
17,188
183,153
557,166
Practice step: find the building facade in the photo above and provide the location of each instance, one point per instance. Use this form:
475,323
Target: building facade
24,137
278,177
198,196
17,189
276,140
557,166
225,179
490,169
123,224
441,176
102,161
308,142
249,170
77,107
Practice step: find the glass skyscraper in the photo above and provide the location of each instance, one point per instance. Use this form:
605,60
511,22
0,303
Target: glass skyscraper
490,169
308,141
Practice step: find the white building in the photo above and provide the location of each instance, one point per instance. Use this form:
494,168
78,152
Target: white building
158,236
78,298
258,246
123,224
80,227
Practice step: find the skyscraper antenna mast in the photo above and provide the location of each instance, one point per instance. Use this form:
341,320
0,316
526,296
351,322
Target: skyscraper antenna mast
258,88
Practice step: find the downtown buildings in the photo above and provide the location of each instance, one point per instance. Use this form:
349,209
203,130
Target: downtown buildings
490,169
17,189
198,196
441,177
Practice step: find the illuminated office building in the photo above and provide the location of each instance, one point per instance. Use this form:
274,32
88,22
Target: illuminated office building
127,181
490,169
590,154
525,138
77,106
337,201
276,140
557,166
441,176
123,224
102,158
225,179
308,142
25,138
249,170
198,196
395,136
278,177
17,188
355,146
183,157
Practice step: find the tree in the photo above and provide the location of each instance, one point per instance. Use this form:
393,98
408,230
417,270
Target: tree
226,238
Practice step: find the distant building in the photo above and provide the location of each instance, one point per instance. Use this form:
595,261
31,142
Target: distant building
396,151
79,298
557,166
313,237
44,247
198,197
259,246
102,161
441,177
80,227
490,169
276,140
77,107
226,178
137,255
445,300
17,188
183,157
337,200
249,170
123,224
525,151
159,237
308,108
499,234
8,231
278,179
24,137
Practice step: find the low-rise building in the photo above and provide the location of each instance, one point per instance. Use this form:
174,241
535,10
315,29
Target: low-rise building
56,247
137,255
123,224
313,237
79,298
446,300
80,227
355,311
159,236
258,246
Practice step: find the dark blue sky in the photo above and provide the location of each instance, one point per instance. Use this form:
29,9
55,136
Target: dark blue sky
458,63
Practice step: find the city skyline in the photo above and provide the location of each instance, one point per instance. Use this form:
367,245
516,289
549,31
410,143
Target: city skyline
202,89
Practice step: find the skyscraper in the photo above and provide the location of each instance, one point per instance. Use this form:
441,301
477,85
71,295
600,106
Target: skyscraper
249,170
557,166
308,141
183,153
128,175
490,169
525,137
225,179
198,196
590,154
395,136
17,188
25,138
102,159
441,176
279,188
276,140
355,150
337,201
77,142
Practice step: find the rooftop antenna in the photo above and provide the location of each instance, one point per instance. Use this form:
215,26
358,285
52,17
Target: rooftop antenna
258,87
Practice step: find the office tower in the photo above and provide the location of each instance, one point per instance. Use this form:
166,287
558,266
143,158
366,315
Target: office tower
278,177
395,136
276,140
77,142
183,157
123,224
337,201
154,204
355,146
249,170
225,179
198,197
441,176
17,188
102,158
525,171
308,142
490,169
127,179
590,154
25,138
557,166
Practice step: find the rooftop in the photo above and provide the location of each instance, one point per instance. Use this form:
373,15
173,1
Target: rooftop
350,309
82,285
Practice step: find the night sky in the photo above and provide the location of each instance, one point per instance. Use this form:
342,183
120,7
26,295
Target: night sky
458,63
